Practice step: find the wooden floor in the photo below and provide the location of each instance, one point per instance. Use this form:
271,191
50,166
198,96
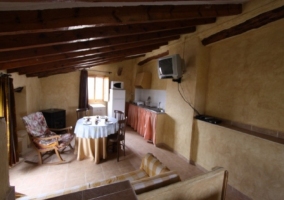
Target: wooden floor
31,179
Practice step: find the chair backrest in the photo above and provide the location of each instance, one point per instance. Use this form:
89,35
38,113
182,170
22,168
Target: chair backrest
35,124
118,114
121,129
81,112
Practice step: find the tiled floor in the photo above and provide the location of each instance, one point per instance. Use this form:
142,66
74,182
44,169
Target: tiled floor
33,179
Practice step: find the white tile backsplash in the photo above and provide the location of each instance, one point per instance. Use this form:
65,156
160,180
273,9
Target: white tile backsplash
156,96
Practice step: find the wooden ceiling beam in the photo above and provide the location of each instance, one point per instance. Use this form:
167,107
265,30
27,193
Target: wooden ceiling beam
142,62
72,68
61,64
108,60
39,53
66,56
46,67
55,72
137,37
60,37
248,25
53,65
22,21
78,67
121,40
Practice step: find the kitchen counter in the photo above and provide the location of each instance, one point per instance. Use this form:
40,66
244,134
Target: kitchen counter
147,121
152,109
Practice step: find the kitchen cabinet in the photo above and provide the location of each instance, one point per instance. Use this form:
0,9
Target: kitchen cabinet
143,80
146,122
132,117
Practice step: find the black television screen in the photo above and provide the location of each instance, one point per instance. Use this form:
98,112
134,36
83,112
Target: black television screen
166,66
170,67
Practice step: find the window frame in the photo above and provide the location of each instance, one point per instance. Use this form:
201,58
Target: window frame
105,89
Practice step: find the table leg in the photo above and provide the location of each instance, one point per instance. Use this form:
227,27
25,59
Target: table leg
104,150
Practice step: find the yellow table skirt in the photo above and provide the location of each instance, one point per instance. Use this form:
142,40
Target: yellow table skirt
93,148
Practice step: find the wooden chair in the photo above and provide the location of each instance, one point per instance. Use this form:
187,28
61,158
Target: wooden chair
118,139
45,140
118,114
82,112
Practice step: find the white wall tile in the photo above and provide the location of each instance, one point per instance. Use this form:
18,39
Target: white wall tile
156,96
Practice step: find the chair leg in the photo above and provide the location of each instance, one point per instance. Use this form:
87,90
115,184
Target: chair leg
118,148
58,155
39,157
123,148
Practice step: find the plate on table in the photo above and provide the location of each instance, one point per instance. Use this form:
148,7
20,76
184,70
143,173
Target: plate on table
87,122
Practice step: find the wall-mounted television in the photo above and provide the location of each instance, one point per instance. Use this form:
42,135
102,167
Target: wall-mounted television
170,67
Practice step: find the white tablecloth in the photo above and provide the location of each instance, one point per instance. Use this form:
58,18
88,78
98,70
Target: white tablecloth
95,131
91,139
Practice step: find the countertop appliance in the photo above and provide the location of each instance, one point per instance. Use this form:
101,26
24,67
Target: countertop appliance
116,101
140,103
118,85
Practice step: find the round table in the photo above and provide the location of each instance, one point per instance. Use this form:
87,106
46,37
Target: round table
91,137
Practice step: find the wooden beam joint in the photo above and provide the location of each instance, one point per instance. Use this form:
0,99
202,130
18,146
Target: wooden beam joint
153,57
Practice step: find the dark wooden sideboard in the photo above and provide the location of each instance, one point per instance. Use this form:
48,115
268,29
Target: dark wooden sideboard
55,118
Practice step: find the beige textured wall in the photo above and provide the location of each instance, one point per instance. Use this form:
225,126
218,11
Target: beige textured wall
62,91
178,124
29,100
156,83
245,82
255,165
250,9
246,78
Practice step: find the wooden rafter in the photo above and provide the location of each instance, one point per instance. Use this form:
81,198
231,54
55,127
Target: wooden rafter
47,59
11,42
142,62
60,64
12,22
46,54
129,39
250,24
44,42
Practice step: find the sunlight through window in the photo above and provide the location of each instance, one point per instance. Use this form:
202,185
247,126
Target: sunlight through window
98,88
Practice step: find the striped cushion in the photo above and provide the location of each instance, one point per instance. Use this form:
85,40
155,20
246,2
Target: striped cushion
132,176
151,183
152,166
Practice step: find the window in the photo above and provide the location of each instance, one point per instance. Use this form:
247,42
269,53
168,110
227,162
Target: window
98,88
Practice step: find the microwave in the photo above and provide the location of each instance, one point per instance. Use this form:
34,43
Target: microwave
119,85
